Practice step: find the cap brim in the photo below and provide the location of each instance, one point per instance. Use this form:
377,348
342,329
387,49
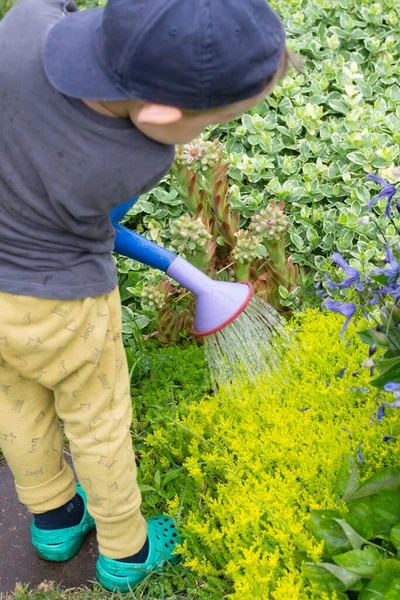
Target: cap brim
71,62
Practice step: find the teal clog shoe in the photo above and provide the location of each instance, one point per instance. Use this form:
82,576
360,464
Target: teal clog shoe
163,538
62,544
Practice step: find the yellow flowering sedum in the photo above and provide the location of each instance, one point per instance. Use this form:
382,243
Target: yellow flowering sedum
259,457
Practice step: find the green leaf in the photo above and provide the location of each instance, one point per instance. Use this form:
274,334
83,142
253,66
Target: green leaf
322,579
145,206
386,363
395,536
362,562
347,578
142,321
382,587
325,527
388,564
386,506
366,336
347,480
354,538
390,375
127,314
297,241
357,158
387,479
283,292
339,106
261,251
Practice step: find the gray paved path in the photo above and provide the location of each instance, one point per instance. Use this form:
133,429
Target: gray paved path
18,560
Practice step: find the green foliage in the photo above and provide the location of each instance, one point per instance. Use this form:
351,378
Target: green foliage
313,141
5,6
174,377
247,466
367,562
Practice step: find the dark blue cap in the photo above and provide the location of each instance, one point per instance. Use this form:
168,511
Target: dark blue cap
194,54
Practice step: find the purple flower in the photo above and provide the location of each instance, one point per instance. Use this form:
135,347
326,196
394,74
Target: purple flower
387,438
353,275
391,387
392,273
342,372
381,412
395,404
359,389
388,192
359,454
348,310
348,432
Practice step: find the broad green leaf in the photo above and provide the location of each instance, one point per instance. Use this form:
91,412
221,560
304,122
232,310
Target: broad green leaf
386,505
347,481
363,511
322,579
347,578
387,479
390,375
283,292
142,321
386,363
362,562
145,206
339,106
395,536
389,564
297,240
325,528
382,587
127,314
357,157
366,337
261,251
355,539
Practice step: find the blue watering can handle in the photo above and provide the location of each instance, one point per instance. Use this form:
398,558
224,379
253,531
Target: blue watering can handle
131,244
118,213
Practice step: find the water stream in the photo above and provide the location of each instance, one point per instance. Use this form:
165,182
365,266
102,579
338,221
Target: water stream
252,345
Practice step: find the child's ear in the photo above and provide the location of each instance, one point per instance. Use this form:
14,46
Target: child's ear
156,114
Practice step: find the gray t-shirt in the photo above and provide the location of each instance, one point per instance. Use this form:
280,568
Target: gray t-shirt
63,167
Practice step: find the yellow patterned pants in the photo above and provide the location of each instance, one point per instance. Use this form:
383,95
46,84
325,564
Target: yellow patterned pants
64,359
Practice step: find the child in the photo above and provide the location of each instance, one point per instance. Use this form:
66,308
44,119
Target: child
91,105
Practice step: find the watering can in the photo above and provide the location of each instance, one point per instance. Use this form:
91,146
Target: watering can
218,303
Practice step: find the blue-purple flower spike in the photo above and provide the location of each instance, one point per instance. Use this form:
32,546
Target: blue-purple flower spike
388,192
353,275
348,310
391,387
381,412
359,454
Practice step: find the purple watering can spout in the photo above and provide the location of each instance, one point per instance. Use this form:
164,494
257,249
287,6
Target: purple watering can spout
218,303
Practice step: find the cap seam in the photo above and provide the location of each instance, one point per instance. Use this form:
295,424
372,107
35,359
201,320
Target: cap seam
206,59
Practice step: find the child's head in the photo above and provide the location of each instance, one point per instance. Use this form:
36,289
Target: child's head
173,125
214,59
